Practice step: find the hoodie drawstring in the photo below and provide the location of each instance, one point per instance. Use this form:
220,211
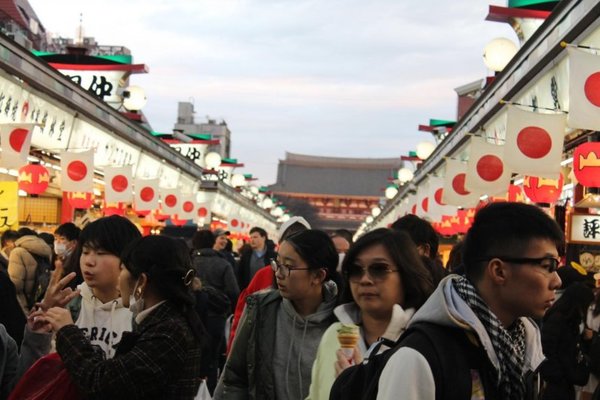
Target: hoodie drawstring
300,358
110,332
289,356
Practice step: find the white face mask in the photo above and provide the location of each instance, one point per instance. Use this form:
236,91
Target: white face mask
341,257
136,306
60,248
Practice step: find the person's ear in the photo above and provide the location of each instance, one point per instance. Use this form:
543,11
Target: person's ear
141,286
498,271
424,249
319,276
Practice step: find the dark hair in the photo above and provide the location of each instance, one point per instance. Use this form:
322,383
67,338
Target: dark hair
420,231
292,229
203,239
26,232
344,234
596,311
47,237
506,229
573,303
260,231
167,264
8,236
317,250
110,234
455,258
416,280
69,230
229,246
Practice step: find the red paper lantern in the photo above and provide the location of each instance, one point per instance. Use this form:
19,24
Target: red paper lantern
542,190
202,212
178,222
33,178
586,164
80,199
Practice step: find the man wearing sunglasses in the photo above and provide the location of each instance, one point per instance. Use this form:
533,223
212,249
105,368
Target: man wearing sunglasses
474,337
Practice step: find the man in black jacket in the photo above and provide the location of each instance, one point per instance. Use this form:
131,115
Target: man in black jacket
261,252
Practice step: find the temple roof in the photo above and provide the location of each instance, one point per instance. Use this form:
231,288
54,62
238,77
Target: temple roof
299,173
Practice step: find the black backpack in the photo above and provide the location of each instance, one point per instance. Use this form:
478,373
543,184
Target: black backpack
438,344
41,280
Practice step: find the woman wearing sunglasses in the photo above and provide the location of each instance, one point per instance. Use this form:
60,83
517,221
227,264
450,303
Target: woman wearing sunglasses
278,335
385,282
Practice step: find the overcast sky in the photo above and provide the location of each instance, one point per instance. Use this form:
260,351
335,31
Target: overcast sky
349,78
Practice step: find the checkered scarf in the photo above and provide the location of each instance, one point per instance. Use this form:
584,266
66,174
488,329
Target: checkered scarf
509,344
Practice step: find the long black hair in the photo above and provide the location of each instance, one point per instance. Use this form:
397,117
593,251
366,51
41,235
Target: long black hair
167,264
573,303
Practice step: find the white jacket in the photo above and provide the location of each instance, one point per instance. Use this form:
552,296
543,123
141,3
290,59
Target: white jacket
408,372
323,370
103,323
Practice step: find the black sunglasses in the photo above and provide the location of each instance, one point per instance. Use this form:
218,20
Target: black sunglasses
549,263
377,272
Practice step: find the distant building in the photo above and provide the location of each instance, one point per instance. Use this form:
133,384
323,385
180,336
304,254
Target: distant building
19,22
187,124
342,190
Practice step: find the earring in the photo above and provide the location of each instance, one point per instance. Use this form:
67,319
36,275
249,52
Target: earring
138,293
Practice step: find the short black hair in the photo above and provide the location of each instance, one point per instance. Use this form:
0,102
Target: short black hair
69,230
292,229
111,234
26,232
203,239
420,231
260,231
8,236
317,250
506,229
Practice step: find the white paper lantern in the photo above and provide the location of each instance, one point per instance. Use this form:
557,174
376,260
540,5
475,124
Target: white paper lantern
424,150
134,98
375,211
238,180
369,219
405,175
391,192
498,53
267,203
212,160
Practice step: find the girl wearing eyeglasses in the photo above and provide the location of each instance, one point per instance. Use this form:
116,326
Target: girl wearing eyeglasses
276,342
384,283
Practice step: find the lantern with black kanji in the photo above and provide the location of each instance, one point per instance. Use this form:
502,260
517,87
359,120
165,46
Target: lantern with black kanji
33,178
586,164
543,190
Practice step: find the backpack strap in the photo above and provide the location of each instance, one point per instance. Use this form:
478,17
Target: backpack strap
453,357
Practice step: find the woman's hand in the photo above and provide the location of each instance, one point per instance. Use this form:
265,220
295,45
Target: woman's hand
57,317
57,294
36,322
343,362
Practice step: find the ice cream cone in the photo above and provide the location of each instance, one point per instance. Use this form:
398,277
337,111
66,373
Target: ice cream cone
348,336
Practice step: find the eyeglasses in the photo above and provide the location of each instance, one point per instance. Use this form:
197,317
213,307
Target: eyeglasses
377,272
549,263
285,269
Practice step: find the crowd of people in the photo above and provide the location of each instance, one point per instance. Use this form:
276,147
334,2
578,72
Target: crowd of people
104,313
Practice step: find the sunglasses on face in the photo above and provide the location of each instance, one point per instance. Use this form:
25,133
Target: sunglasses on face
376,272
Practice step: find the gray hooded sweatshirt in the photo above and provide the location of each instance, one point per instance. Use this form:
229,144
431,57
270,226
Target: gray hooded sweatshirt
296,341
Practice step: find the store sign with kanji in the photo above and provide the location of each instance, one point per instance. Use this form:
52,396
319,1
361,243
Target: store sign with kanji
9,206
585,229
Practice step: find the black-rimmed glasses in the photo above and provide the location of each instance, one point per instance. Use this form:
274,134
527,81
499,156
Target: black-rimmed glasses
377,272
285,269
549,263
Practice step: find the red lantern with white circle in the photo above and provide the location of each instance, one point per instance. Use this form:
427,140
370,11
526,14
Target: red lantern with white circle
542,190
586,164
80,199
33,178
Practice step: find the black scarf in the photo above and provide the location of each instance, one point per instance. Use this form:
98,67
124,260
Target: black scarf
509,344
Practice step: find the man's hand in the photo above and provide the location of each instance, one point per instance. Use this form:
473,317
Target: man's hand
57,294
